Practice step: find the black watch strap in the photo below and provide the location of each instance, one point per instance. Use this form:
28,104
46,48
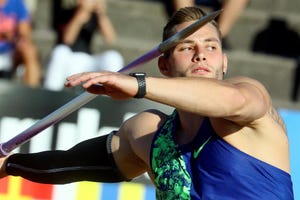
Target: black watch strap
141,79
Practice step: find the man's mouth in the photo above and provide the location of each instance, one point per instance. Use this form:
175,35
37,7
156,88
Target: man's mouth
200,70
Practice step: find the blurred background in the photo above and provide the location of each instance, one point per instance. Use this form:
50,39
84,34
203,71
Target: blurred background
263,43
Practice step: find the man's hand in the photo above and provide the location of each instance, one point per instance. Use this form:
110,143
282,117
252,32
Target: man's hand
114,84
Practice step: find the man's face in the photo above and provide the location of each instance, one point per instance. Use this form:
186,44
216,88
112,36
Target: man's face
200,54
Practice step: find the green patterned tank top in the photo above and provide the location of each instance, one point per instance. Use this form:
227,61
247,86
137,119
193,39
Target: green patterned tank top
171,178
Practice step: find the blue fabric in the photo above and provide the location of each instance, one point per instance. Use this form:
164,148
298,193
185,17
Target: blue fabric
11,14
220,171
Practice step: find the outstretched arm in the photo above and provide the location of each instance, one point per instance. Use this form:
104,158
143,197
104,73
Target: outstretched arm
90,160
239,99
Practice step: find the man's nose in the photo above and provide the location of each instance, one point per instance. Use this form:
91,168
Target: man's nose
199,56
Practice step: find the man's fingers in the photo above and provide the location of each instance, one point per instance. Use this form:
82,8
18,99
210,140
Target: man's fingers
96,89
78,79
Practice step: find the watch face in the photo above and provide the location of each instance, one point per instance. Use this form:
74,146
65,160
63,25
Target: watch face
137,74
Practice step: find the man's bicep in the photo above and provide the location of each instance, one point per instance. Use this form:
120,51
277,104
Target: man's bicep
131,145
127,161
256,100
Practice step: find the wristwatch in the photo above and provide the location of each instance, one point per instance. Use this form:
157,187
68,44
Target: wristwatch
141,79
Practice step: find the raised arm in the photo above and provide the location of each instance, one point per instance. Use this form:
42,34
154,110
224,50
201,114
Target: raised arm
239,99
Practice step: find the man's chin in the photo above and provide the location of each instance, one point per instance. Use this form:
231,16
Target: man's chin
202,75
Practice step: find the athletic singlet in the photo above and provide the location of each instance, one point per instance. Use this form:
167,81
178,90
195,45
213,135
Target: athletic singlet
209,168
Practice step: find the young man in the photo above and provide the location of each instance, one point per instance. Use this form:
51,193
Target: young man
223,141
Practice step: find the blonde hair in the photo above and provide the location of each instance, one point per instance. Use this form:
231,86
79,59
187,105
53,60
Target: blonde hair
182,15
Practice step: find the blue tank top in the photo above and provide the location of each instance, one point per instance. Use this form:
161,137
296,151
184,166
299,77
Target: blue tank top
209,168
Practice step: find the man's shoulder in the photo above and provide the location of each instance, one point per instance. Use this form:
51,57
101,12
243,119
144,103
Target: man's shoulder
147,118
143,125
244,80
152,114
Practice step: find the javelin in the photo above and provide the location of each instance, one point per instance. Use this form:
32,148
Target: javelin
85,97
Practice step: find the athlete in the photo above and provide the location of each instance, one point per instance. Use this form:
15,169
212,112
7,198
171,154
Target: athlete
224,139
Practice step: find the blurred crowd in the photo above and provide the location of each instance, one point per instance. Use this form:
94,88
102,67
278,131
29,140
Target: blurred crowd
76,22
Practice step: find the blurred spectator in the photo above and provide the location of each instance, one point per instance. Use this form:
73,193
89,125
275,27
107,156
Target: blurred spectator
278,38
16,46
72,54
231,10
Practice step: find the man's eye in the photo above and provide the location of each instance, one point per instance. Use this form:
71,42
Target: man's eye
211,48
186,48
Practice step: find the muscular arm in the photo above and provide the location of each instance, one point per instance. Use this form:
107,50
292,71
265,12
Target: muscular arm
131,145
240,99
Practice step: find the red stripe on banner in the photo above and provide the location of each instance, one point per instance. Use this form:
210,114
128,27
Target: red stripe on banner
36,190
4,185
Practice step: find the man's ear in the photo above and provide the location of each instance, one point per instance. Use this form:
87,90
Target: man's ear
163,66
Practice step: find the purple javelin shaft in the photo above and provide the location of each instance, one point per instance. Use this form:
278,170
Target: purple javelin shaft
85,97
65,110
